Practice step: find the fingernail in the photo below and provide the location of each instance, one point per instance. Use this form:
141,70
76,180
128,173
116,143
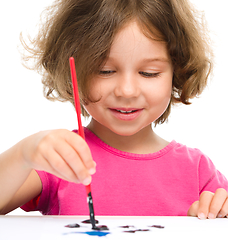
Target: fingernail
219,215
92,171
87,181
201,216
211,216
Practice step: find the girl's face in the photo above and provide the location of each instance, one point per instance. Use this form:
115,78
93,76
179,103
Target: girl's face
134,85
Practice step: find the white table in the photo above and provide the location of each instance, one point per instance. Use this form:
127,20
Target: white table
53,227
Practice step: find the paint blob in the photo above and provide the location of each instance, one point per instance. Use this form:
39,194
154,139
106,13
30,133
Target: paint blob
100,228
89,221
127,226
73,225
137,230
157,226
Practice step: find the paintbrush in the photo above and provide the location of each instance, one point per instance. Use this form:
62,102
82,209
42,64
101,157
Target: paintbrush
81,133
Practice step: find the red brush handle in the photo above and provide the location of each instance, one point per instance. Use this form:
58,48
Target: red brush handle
77,105
76,97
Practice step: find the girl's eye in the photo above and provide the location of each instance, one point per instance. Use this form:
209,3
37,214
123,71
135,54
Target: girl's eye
106,72
146,74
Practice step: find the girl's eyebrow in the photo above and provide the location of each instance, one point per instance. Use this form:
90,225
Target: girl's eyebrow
159,59
147,60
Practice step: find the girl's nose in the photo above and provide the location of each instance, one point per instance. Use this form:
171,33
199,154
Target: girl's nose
127,86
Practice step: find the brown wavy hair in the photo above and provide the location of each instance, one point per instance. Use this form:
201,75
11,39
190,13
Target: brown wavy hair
85,29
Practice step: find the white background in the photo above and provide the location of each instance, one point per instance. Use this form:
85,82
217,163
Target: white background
24,110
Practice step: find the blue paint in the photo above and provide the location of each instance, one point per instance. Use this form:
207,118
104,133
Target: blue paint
97,233
91,233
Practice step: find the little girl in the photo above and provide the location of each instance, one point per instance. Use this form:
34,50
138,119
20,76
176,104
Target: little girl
134,59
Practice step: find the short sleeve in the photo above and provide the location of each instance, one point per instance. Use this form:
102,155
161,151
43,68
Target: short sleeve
47,200
210,179
32,205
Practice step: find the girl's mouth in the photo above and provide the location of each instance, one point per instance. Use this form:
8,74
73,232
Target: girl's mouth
126,114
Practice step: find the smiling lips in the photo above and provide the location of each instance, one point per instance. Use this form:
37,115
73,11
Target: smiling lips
126,114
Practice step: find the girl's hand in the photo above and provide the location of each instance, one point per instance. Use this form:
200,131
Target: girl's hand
59,152
210,205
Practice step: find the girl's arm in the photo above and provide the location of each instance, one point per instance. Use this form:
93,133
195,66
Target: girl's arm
31,188
59,152
18,182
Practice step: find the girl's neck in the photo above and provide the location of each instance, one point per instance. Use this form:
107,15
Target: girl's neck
143,142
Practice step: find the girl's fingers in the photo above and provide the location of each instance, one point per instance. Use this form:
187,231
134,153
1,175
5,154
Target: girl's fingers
217,202
58,166
224,211
220,201
210,205
204,204
74,162
83,151
193,210
64,154
43,164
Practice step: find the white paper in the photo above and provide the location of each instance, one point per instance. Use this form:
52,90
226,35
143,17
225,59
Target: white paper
53,227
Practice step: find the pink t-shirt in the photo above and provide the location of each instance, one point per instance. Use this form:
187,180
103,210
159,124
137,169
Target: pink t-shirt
164,183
